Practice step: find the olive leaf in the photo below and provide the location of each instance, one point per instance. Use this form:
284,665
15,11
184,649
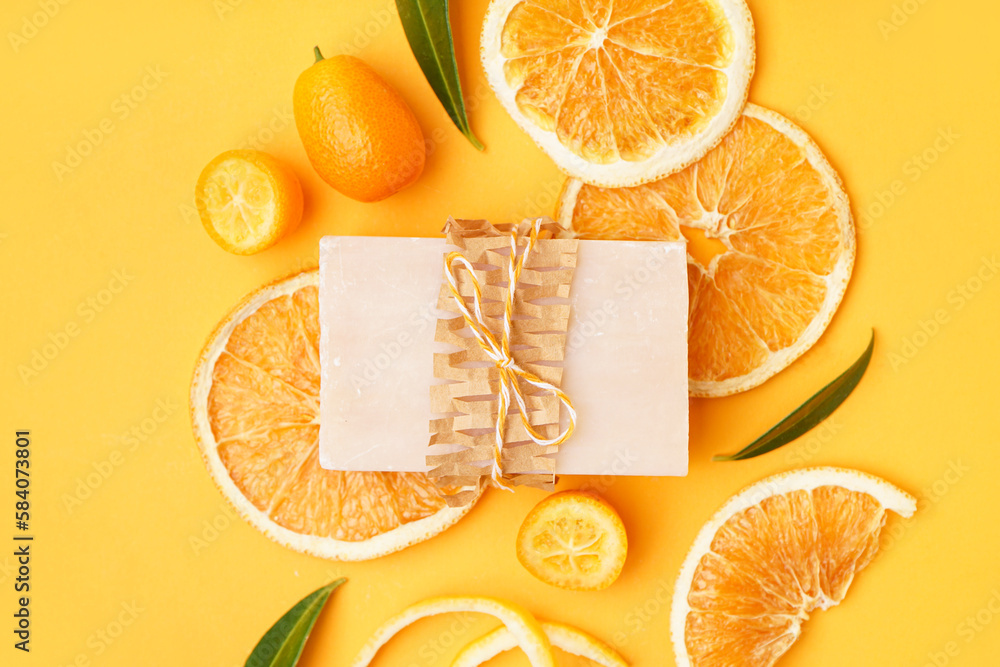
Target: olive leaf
428,30
282,645
808,415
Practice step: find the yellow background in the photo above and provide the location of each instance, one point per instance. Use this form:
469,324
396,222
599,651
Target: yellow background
872,96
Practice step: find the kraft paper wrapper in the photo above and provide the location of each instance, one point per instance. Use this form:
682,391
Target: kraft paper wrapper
462,436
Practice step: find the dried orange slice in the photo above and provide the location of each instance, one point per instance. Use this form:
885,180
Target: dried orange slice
248,200
770,246
522,627
620,92
571,641
255,412
574,540
774,553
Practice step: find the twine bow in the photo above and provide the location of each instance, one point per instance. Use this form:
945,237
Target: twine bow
499,351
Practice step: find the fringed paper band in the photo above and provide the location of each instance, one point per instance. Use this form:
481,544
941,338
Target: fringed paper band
507,352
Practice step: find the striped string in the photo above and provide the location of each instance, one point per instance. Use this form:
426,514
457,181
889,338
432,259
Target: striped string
511,374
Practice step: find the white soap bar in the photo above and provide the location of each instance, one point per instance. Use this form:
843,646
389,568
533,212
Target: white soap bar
625,367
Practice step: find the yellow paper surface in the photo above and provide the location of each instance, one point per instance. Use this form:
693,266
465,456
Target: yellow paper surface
112,252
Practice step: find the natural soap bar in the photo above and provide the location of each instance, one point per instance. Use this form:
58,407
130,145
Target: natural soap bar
625,366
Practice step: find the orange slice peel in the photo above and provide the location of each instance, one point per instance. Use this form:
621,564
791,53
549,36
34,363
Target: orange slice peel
255,415
771,246
773,554
520,625
620,93
564,637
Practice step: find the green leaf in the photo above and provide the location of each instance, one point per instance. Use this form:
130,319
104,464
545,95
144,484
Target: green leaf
282,645
809,414
428,30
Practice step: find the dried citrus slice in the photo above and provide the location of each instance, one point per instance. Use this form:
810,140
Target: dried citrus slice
248,200
255,412
563,637
770,246
619,93
523,627
574,540
774,553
